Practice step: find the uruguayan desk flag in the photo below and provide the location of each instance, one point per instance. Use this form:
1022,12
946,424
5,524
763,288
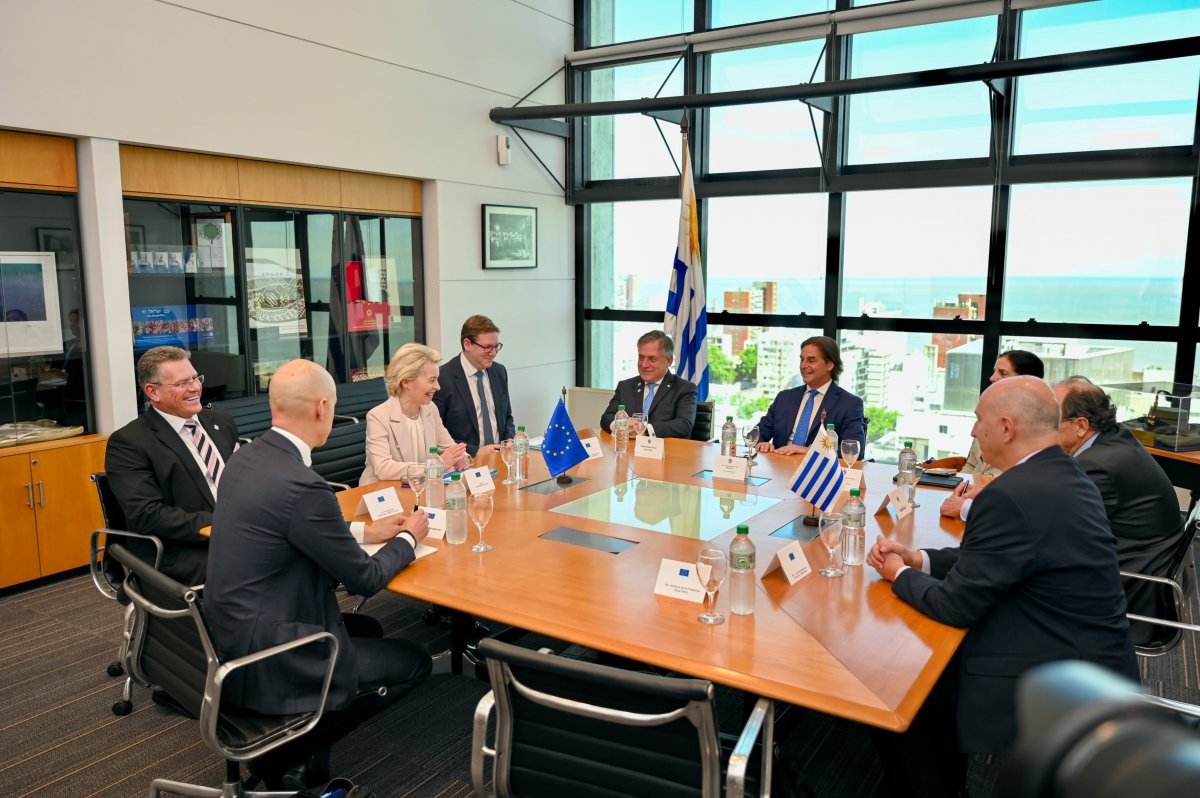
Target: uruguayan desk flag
561,448
819,477
687,319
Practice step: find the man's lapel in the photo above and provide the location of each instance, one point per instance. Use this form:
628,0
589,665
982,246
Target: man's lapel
459,378
165,433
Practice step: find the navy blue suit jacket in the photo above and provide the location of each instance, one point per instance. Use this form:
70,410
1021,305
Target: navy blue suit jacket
453,401
842,409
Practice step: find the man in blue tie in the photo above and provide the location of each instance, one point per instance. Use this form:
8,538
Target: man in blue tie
664,400
793,419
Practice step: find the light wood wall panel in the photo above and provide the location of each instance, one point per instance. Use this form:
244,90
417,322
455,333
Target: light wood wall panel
379,193
267,183
149,172
29,160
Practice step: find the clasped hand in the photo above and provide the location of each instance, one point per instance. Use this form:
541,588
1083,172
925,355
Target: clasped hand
383,530
456,458
887,556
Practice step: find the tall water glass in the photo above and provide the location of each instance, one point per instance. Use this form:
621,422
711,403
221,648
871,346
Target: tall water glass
480,507
830,525
718,565
637,425
750,436
507,456
850,451
912,478
416,481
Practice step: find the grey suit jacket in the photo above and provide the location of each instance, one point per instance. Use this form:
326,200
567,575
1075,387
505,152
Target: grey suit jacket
279,548
673,411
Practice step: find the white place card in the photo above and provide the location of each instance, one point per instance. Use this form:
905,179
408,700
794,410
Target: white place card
479,480
854,479
421,551
592,447
437,521
735,469
897,502
379,504
792,561
678,579
645,446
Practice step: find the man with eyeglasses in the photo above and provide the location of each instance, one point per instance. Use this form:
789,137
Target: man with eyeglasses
473,397
165,466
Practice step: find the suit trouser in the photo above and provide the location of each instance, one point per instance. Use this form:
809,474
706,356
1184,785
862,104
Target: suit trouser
924,762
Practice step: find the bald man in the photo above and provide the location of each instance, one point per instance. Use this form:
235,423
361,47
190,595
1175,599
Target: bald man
1034,580
279,548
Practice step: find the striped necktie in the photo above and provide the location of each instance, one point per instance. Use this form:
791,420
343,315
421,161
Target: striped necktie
208,453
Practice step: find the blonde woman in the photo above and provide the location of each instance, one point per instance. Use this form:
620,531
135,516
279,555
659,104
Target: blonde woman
401,431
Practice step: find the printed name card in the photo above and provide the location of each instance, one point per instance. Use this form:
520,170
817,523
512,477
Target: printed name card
896,502
479,480
736,469
592,447
645,446
854,479
792,561
437,522
678,579
379,504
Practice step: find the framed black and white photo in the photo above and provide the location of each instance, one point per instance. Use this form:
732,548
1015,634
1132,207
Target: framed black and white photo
509,237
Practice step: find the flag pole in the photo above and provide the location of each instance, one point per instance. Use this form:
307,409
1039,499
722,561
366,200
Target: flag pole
564,478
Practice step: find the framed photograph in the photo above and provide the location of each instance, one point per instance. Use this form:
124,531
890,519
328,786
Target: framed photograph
29,300
509,237
60,241
212,241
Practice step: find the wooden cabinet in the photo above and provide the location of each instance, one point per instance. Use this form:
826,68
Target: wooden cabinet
50,507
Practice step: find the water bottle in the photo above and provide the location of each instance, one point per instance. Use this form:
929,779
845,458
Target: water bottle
833,440
620,429
456,510
854,530
520,455
741,572
435,490
729,438
908,466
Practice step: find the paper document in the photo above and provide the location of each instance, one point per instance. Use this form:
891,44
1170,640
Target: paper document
421,551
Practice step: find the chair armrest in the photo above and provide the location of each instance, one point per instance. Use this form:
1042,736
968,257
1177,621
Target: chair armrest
211,709
1191,710
338,487
351,419
1190,627
479,747
761,722
1176,588
94,564
243,440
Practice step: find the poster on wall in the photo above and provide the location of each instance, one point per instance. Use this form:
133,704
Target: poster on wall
210,236
275,291
185,326
29,302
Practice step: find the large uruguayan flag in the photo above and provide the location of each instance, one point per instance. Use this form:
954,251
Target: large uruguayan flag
819,477
687,319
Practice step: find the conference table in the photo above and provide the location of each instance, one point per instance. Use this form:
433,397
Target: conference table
845,646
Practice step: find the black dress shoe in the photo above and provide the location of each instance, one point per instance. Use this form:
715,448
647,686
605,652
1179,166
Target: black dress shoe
305,775
164,700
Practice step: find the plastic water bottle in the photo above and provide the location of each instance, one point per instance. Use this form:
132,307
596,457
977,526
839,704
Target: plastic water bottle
456,510
435,489
520,455
833,440
729,438
620,430
854,530
908,465
741,572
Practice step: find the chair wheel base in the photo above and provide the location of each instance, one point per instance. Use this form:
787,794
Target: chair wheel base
115,670
430,617
122,708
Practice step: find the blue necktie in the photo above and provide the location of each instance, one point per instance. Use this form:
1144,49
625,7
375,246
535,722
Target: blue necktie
805,419
649,398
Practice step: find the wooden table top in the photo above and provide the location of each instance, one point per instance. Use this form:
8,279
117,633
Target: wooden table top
844,646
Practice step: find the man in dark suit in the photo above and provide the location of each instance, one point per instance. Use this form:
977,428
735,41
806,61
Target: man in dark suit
1034,581
797,414
666,401
473,397
1139,499
280,546
164,467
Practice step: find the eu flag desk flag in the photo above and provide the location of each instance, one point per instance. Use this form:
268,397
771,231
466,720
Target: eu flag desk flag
687,318
819,478
561,448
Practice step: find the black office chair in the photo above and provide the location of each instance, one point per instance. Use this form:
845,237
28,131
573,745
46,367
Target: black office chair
108,575
1182,562
1087,733
702,429
565,727
171,649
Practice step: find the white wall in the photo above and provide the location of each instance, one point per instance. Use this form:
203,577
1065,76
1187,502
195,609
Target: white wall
398,87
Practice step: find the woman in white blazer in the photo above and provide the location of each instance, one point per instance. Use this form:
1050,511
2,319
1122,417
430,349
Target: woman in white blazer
401,431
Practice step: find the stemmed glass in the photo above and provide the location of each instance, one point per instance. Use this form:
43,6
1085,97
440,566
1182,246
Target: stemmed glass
912,478
750,435
831,537
507,456
416,481
718,566
850,451
637,425
480,508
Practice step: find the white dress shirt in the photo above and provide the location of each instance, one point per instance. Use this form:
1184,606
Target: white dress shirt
816,409
473,384
177,424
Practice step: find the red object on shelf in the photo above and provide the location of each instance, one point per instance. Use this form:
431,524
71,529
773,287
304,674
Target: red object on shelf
366,316
354,281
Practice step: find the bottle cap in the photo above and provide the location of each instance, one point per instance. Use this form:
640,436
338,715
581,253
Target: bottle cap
854,492
433,450
521,429
729,418
620,407
828,426
455,477
743,529
908,444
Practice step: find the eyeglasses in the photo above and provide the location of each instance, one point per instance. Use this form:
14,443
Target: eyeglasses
198,379
492,348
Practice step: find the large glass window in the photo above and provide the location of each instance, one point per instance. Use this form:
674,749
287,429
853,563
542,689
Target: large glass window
749,366
1110,251
627,20
633,145
1103,362
632,253
740,12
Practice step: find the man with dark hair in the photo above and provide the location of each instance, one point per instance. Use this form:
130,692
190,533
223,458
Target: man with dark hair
797,414
1138,497
164,466
667,401
473,397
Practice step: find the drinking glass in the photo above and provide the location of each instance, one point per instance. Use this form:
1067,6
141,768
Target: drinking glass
831,537
750,435
912,478
480,508
416,481
850,451
718,566
507,457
